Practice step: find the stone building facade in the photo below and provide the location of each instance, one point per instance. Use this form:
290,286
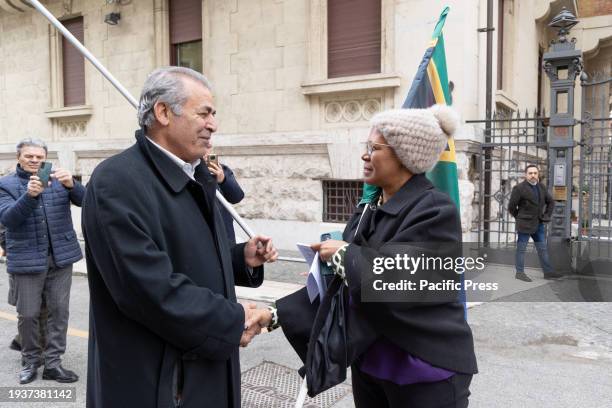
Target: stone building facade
291,132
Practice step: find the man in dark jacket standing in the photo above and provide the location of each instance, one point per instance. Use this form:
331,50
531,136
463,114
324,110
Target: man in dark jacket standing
532,206
165,325
41,248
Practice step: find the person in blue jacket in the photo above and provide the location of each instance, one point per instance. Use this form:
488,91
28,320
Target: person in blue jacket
41,247
230,189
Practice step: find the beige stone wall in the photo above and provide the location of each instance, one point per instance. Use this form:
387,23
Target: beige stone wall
24,76
283,125
30,89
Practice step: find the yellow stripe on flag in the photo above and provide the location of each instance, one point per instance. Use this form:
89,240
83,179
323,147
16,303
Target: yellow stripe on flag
436,86
434,80
449,155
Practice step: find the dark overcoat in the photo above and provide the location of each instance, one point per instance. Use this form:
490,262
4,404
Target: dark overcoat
435,332
164,323
527,209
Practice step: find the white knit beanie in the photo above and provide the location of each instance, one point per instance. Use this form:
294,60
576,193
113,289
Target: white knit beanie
418,136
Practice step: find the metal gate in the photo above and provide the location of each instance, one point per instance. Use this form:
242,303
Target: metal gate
596,160
595,207
514,141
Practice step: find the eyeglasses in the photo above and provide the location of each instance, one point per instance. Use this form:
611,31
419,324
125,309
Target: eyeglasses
370,147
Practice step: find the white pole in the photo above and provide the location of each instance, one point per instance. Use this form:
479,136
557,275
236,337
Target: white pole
36,4
299,403
239,220
56,23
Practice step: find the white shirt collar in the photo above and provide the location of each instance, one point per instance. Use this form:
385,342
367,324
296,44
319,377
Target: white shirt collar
188,168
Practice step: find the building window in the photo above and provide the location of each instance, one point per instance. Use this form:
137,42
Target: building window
340,197
73,65
353,37
186,33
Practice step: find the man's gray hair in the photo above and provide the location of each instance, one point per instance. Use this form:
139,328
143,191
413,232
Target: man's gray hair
28,141
166,85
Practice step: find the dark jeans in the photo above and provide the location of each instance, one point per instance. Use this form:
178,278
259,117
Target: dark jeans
370,392
539,238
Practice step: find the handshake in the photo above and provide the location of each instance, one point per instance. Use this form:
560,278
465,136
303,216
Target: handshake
254,320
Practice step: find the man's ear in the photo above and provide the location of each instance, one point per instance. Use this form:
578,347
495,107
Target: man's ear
162,113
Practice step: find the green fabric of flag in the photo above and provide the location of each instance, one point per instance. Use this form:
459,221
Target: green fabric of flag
429,87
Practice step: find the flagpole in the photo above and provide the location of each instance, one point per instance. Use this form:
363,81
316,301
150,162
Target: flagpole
96,63
299,402
56,23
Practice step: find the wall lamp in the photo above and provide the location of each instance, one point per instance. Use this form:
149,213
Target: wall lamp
112,18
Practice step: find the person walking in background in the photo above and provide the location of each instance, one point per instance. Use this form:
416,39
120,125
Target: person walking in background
41,248
229,187
532,206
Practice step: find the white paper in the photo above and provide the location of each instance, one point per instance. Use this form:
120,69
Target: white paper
314,282
306,252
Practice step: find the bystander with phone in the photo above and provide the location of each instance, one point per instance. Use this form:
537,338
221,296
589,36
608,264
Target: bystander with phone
228,186
41,248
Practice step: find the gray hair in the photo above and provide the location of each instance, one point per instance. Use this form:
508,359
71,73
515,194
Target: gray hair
28,141
165,85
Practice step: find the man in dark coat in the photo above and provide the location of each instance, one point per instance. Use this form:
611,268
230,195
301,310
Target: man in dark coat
164,322
532,206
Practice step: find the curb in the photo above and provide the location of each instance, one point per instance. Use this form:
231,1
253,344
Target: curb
268,293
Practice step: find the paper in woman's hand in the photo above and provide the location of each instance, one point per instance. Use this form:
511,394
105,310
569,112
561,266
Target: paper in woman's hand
314,282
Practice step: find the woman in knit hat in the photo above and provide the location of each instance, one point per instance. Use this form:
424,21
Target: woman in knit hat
424,353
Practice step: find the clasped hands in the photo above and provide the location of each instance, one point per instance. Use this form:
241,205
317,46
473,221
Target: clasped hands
254,320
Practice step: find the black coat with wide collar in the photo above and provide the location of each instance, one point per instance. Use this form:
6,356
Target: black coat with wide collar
163,316
527,209
434,332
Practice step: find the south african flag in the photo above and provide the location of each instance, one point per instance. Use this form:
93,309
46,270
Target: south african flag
430,87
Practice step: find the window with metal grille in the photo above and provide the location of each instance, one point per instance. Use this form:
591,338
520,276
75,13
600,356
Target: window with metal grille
340,198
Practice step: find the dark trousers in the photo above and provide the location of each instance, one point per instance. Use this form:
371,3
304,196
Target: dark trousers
54,285
370,392
42,319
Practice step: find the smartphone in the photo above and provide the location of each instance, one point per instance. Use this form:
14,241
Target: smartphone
44,172
326,270
212,158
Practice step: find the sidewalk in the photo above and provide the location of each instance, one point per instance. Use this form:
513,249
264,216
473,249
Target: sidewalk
283,278
529,354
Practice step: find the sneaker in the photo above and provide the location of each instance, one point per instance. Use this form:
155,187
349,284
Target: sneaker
522,276
552,275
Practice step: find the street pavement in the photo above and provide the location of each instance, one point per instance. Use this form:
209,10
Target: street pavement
530,355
